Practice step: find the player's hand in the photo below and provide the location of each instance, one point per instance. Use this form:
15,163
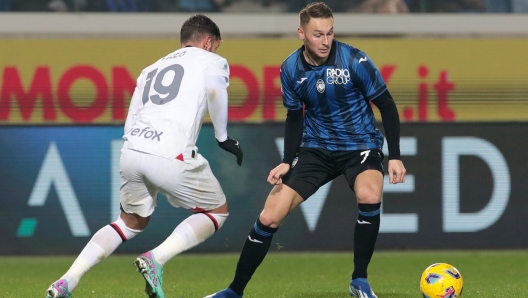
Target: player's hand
232,146
275,175
396,171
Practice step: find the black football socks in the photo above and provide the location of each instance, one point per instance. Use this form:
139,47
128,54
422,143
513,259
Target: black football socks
365,235
253,253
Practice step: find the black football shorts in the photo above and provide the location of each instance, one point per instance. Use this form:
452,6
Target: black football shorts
313,168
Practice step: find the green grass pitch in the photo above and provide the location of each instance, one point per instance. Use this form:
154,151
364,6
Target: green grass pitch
494,274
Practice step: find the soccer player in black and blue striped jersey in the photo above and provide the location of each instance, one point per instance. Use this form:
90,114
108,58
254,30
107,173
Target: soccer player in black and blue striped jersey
327,87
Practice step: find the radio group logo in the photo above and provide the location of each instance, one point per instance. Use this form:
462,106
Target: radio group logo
337,76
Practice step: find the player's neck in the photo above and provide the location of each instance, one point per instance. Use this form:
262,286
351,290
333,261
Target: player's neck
313,59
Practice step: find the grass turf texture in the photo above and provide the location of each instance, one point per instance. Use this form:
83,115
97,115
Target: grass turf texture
494,274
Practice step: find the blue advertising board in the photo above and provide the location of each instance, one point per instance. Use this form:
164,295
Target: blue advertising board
466,187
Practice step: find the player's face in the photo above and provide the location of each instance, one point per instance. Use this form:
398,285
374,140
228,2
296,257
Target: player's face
317,36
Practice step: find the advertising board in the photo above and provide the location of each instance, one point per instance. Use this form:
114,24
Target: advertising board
90,81
466,188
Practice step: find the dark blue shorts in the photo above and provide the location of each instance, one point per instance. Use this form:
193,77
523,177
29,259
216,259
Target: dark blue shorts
313,168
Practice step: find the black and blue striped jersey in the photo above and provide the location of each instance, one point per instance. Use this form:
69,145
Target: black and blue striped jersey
336,96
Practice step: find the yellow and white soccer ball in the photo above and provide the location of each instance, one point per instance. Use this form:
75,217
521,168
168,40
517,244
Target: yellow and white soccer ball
441,280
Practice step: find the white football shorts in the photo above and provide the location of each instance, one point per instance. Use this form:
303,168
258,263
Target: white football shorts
189,184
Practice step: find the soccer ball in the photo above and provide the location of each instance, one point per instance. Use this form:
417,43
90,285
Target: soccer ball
441,280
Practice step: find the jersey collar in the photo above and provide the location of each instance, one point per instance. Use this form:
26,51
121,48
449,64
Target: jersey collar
328,62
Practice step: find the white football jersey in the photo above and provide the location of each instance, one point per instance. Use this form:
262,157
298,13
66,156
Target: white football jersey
170,101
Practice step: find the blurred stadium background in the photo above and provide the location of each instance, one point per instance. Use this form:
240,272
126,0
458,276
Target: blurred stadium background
458,70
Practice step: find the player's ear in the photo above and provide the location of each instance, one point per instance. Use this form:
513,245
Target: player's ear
207,43
300,31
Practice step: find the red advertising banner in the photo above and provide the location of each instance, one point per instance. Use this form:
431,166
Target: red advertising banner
90,81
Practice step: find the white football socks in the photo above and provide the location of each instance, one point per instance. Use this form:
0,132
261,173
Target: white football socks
194,230
102,244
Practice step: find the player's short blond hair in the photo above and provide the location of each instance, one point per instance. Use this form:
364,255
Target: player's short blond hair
315,10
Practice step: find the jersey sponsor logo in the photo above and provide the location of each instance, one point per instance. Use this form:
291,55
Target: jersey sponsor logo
146,133
320,84
302,80
339,76
362,59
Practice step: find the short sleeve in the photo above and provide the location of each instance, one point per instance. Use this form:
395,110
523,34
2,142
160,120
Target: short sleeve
367,76
289,98
218,67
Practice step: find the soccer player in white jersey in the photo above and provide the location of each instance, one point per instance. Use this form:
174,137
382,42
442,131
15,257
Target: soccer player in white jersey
159,155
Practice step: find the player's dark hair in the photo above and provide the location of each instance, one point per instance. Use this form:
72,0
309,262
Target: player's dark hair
315,10
197,27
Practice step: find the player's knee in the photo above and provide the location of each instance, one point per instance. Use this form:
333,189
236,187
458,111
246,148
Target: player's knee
219,219
270,220
368,197
133,221
265,219
125,232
